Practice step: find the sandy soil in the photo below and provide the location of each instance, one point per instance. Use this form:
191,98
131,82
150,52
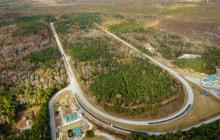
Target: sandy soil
200,31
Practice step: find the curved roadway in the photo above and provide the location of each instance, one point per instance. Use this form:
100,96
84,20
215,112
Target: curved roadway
75,87
51,112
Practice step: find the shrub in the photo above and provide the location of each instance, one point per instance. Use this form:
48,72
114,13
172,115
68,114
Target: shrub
126,27
90,133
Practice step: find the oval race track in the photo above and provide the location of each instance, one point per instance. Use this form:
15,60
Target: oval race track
75,87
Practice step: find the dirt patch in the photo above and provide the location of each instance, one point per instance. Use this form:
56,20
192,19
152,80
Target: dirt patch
95,138
201,31
26,115
108,21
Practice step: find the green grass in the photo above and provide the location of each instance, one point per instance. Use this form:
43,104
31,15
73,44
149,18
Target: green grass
85,21
197,64
7,107
4,5
62,27
205,64
45,58
29,24
176,10
30,28
126,27
23,20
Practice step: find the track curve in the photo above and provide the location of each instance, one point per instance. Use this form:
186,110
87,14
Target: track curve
75,87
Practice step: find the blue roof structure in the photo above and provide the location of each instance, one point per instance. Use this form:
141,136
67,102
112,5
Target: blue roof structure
209,79
70,117
78,132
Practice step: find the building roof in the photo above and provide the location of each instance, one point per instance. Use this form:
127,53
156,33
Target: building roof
78,131
189,56
70,117
209,79
72,126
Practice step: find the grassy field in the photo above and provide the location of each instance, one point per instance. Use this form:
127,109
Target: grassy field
205,64
13,5
196,10
191,10
126,27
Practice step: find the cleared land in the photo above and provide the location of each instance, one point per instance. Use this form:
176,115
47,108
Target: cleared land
169,45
